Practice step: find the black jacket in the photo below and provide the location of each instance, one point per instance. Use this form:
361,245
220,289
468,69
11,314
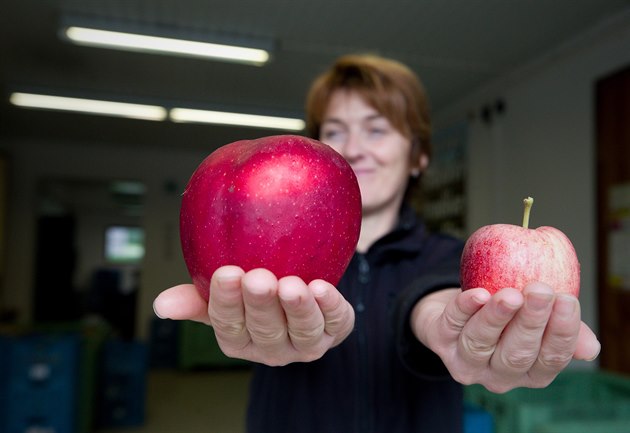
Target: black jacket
380,379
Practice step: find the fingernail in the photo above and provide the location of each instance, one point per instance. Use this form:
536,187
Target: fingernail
319,290
566,306
481,298
293,301
538,301
593,358
156,313
507,308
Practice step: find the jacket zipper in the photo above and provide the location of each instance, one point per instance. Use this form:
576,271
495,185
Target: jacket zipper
363,422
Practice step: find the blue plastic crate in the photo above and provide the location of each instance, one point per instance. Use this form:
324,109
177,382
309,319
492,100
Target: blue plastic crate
477,420
41,390
5,355
122,390
44,362
40,411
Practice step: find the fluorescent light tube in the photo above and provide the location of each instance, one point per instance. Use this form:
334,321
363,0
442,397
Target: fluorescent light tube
156,44
226,118
92,106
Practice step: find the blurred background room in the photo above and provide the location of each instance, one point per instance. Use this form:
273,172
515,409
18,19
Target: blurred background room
528,98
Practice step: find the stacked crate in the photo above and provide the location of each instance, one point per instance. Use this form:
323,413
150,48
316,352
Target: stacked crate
164,344
4,379
122,386
198,348
594,401
39,387
70,378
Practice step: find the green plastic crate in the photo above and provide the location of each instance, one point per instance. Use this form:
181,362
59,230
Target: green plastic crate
580,396
600,426
198,348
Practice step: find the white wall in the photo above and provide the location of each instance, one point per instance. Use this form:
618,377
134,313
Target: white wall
33,160
544,143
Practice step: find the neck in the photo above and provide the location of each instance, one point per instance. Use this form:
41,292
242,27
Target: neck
375,225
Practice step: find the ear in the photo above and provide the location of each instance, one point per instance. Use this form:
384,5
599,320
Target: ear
421,166
424,162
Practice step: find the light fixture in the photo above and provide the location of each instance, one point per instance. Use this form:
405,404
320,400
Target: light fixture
239,119
164,45
93,106
152,112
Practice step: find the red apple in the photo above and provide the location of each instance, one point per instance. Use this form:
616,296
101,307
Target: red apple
286,203
505,255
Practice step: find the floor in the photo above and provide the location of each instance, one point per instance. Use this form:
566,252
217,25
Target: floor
194,402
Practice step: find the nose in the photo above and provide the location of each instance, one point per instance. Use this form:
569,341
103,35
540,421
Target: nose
352,147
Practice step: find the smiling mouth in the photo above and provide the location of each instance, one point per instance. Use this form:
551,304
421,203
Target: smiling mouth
362,171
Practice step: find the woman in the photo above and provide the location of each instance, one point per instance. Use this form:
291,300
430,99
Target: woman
388,350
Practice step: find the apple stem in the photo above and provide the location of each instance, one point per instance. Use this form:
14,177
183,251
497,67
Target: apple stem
528,202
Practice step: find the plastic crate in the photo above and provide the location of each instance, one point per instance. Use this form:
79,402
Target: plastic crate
122,387
581,396
477,420
41,411
93,334
198,348
41,388
600,426
5,355
164,343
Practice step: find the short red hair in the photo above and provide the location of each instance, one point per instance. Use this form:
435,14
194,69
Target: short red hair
389,86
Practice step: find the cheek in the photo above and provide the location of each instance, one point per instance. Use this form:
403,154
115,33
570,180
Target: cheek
396,165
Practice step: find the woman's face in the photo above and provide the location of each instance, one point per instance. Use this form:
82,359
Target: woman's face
377,152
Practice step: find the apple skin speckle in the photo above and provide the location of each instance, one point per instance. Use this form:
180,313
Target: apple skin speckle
286,203
503,255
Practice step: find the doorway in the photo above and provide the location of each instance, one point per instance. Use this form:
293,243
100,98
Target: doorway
613,218
89,251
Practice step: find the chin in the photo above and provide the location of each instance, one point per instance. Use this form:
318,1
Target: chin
374,207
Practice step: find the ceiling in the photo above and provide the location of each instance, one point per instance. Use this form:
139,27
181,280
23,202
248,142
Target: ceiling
455,46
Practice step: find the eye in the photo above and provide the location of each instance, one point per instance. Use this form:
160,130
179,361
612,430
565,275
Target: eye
377,127
331,134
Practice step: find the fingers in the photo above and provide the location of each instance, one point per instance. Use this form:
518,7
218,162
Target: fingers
480,336
506,340
226,310
337,313
520,345
182,302
537,342
264,315
304,319
587,346
263,319
257,317
559,342
459,309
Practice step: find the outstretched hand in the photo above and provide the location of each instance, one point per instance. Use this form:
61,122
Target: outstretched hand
508,340
259,318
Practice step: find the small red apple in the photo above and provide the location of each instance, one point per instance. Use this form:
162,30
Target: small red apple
505,255
286,203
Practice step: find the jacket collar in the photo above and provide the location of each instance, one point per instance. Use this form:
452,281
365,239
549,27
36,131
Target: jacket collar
407,237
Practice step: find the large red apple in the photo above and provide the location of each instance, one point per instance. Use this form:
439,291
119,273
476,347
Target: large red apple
504,255
285,203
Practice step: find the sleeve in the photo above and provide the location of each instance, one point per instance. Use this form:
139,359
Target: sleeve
414,355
